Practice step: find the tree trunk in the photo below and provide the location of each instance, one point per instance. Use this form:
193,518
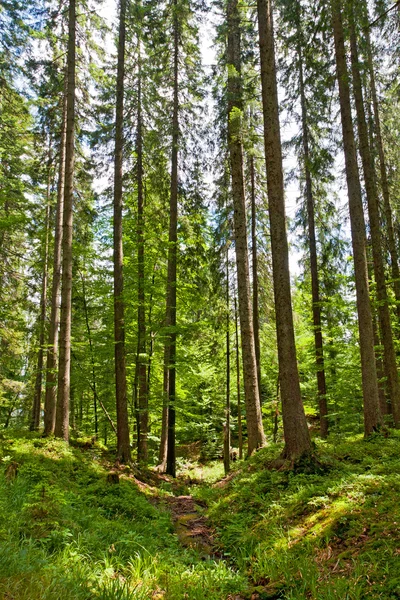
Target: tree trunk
372,417
172,256
64,367
316,300
143,418
123,445
35,422
383,405
164,421
256,437
52,343
389,355
394,257
227,427
297,437
239,406
256,317
94,382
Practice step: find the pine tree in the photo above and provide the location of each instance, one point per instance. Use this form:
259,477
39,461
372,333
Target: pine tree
255,430
64,367
297,438
123,444
372,417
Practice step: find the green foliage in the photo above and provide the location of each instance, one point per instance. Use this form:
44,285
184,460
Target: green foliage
65,531
331,534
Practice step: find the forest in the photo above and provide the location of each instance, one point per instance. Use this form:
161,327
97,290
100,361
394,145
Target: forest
199,299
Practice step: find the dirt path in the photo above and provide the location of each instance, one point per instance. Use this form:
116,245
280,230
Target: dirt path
191,525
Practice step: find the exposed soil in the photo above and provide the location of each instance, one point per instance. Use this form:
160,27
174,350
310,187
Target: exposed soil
191,525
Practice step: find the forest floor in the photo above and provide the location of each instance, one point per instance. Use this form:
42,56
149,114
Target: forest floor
74,527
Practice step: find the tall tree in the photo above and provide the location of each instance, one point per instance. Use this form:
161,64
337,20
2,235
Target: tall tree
256,437
143,416
50,400
297,437
227,424
310,205
389,355
123,444
239,404
254,256
372,417
37,398
64,366
384,182
172,251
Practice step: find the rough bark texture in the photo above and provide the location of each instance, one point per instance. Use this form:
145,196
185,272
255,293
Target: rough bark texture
256,313
172,257
123,446
64,366
50,399
389,355
297,438
255,430
372,417
35,421
394,257
143,417
312,245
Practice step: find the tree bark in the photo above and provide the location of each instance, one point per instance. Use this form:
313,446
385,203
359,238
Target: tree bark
64,367
297,437
143,417
123,445
372,417
50,400
172,254
312,245
35,422
256,437
389,355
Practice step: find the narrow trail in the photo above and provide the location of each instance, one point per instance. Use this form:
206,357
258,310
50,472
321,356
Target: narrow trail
189,519
191,525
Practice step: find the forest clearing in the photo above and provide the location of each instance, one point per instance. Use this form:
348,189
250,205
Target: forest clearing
199,299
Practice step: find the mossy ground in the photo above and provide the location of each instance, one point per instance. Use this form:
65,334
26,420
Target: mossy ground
67,533
331,534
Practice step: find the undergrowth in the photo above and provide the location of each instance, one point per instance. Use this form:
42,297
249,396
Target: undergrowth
334,534
67,533
324,531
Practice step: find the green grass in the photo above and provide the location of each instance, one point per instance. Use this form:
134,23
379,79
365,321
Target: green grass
331,534
66,533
